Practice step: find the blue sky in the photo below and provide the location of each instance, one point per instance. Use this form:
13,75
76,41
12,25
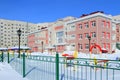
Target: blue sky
37,11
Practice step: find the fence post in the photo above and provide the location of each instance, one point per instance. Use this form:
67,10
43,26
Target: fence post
23,64
2,57
57,66
8,57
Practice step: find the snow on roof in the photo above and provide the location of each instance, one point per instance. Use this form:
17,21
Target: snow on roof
21,47
103,49
3,48
50,47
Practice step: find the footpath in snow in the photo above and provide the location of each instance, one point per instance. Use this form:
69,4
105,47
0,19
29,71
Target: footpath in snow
7,73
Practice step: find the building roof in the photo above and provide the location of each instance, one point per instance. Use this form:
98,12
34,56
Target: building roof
90,16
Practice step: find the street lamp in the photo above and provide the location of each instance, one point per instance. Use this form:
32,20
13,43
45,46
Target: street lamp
19,34
42,46
78,46
55,48
89,38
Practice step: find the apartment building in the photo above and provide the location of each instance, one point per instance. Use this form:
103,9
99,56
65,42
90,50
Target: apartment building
38,40
118,32
73,33
117,19
99,26
8,32
51,36
69,32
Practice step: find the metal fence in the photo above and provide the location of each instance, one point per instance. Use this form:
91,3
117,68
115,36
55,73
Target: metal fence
36,67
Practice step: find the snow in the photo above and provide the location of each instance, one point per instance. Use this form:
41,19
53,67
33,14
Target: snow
112,56
7,73
21,47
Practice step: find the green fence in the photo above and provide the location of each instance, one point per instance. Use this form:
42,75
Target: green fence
1,56
77,69
40,67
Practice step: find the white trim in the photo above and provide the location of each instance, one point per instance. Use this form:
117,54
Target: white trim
90,16
37,31
61,44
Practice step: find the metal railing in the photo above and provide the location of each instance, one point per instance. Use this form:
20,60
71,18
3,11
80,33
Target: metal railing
36,67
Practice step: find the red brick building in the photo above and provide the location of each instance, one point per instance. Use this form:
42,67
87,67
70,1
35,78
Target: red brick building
74,32
38,40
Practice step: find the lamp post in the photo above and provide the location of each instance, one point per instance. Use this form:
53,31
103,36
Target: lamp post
19,34
54,47
42,46
78,46
89,38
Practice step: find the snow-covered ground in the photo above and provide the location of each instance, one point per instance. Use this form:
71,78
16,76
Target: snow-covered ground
112,56
8,73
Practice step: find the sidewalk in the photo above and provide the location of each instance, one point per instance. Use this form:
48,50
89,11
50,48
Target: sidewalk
7,73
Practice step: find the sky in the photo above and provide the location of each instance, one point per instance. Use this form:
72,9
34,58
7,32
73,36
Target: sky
39,11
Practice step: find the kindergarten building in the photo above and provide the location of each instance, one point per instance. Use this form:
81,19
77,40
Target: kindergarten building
72,33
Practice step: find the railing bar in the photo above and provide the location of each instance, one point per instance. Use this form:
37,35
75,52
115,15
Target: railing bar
86,72
113,74
107,74
78,73
81,72
95,73
67,71
90,74
101,73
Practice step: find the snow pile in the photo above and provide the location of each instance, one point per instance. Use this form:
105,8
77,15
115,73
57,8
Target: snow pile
7,73
112,56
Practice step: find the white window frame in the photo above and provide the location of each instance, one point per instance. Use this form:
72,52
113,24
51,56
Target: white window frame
86,46
86,25
80,26
93,23
80,47
81,36
72,36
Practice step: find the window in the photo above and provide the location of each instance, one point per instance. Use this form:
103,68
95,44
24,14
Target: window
103,34
72,27
72,36
104,45
86,35
117,30
93,23
86,46
60,40
108,35
73,46
113,36
108,25
80,26
80,36
1,26
117,38
103,24
113,27
80,46
108,46
59,34
86,25
93,34
19,24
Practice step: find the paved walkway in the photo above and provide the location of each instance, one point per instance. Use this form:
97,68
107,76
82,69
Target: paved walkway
7,73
